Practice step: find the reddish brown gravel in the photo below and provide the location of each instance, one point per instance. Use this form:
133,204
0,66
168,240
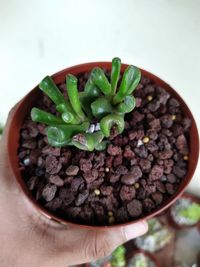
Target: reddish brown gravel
139,170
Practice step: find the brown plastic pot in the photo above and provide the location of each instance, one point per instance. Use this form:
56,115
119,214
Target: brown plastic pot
183,226
149,255
30,100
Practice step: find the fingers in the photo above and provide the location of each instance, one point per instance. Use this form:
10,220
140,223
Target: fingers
103,243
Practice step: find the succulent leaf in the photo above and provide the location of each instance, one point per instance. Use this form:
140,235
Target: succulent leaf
48,86
91,89
41,116
127,105
101,107
62,134
130,80
99,78
72,90
115,73
110,120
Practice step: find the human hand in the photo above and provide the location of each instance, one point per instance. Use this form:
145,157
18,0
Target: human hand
28,239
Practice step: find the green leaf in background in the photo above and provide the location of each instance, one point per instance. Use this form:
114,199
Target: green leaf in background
192,212
1,129
118,257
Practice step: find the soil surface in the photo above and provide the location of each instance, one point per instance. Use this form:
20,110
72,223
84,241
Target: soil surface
139,170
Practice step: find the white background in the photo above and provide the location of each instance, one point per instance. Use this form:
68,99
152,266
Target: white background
40,37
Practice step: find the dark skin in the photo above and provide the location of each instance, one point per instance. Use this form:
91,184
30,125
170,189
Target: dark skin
28,239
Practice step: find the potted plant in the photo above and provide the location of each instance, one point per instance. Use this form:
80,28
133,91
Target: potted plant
157,237
102,144
185,212
142,259
116,259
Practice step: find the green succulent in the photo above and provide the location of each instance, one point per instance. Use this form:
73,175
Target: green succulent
192,212
118,257
102,102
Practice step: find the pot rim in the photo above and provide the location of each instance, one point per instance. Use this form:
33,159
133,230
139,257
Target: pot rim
58,77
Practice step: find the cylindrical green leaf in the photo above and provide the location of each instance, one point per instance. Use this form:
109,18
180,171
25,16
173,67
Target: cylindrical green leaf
130,80
99,78
83,141
101,107
41,116
115,73
72,91
48,86
127,105
101,146
61,135
68,114
57,137
87,141
67,117
110,120
135,82
91,89
86,101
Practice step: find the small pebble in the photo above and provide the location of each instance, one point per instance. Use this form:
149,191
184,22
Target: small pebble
97,127
72,170
26,161
149,97
145,139
106,169
111,220
110,213
173,117
136,185
91,128
97,192
139,143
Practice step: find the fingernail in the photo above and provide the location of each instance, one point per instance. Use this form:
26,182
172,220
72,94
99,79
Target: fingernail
135,230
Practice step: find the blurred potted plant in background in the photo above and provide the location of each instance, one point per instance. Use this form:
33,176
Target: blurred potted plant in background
116,259
185,212
142,259
157,237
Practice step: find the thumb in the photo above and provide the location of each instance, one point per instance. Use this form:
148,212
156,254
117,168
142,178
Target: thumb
83,246
100,244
